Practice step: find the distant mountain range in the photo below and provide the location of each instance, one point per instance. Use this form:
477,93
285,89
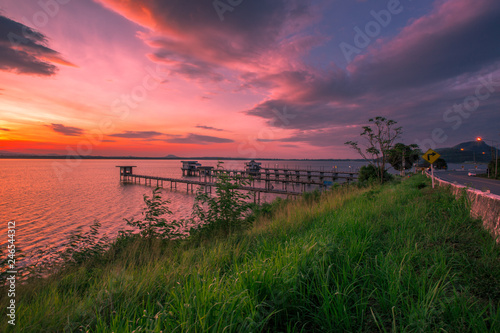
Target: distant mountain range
471,151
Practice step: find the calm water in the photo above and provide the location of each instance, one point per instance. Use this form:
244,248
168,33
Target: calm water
48,208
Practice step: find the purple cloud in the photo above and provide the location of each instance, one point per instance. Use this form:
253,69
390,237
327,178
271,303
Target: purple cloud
24,51
198,139
209,128
66,130
136,134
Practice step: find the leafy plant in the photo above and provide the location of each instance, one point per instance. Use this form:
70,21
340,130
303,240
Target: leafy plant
311,197
154,224
227,211
379,139
491,167
441,164
401,152
369,173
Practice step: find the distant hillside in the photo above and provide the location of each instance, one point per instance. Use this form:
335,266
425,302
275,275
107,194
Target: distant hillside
470,151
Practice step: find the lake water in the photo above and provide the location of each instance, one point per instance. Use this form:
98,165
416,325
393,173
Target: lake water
48,204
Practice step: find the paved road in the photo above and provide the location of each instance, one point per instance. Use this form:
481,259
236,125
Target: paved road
476,182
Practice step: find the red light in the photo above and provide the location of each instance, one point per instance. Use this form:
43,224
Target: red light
479,138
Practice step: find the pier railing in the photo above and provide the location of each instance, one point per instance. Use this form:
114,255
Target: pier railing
284,183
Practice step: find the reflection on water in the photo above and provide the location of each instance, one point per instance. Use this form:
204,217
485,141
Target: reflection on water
47,209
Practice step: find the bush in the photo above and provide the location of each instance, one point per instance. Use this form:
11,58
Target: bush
369,173
154,225
226,212
267,209
311,197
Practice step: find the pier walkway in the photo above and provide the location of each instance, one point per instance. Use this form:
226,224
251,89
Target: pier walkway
287,183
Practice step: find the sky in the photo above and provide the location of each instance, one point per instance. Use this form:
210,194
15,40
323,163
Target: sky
244,78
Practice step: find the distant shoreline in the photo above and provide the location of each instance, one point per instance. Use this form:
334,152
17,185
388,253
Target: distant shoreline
174,158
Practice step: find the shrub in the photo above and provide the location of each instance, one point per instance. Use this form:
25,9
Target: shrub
227,211
370,173
154,224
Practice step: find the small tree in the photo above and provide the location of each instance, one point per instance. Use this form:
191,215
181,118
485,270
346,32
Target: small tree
369,173
154,224
410,153
227,211
380,137
441,164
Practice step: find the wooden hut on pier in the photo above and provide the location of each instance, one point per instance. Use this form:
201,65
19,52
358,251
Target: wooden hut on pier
190,168
253,168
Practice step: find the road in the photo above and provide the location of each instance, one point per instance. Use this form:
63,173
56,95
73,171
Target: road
476,182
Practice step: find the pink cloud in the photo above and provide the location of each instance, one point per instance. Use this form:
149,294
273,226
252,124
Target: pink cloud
258,36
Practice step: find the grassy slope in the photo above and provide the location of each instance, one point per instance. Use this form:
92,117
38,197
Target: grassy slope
394,258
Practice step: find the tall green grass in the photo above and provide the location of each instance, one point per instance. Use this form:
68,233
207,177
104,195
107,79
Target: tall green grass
395,258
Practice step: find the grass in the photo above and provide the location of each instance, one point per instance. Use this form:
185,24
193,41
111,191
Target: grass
395,258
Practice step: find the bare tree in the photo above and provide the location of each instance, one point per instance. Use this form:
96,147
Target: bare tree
379,137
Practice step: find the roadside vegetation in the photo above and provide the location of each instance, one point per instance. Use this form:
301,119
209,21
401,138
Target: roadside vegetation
494,169
398,257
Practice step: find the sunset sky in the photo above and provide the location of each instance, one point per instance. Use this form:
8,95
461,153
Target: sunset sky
244,78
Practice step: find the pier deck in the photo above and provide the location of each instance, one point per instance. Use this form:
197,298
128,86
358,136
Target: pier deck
288,180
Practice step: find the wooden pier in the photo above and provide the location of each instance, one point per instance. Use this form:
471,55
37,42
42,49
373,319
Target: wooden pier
255,171
287,182
127,176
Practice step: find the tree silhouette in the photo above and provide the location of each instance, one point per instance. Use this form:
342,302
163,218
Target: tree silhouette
379,138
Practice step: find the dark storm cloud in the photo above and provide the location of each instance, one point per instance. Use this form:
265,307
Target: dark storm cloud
24,51
66,130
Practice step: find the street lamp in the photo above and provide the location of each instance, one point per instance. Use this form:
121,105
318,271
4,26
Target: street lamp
496,153
473,156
